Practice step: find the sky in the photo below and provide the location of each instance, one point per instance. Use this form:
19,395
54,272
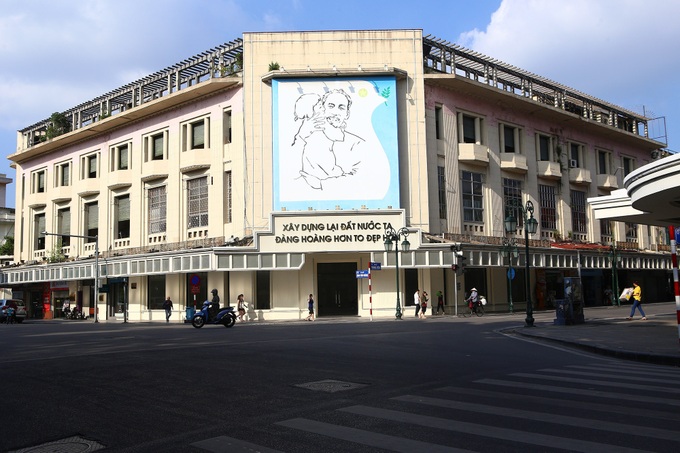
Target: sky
55,55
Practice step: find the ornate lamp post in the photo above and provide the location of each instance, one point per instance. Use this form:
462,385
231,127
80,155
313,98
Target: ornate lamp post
392,237
96,266
510,250
530,226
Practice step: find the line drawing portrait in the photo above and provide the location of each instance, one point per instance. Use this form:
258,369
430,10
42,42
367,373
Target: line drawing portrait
335,143
327,143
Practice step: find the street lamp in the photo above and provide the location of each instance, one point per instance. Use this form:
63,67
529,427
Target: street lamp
510,250
530,226
96,265
392,237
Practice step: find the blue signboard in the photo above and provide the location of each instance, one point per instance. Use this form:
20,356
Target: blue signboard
362,274
375,266
511,273
677,235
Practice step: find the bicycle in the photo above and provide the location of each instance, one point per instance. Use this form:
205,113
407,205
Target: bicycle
475,308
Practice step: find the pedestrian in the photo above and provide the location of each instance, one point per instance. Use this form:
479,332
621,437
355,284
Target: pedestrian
241,308
10,315
310,307
167,306
416,301
423,304
440,302
637,302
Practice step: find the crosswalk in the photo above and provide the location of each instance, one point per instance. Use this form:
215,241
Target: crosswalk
599,407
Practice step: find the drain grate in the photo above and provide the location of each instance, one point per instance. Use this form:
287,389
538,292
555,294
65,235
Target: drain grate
75,444
331,386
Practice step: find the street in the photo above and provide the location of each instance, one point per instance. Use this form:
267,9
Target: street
341,385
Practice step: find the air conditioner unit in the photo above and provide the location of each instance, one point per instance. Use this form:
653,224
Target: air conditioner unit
655,154
573,163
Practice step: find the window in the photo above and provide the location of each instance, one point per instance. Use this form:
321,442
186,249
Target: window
510,136
120,156
155,146
121,214
578,211
606,230
38,181
198,202
441,190
631,232
62,174
39,231
472,197
575,155
545,147
155,291
227,195
91,220
438,121
628,165
548,210
195,134
603,162
89,166
227,126
64,226
512,196
263,290
157,210
469,128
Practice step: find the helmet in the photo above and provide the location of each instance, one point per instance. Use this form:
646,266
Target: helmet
214,291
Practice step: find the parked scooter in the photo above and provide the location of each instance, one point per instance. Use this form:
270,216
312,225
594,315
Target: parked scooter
76,313
226,316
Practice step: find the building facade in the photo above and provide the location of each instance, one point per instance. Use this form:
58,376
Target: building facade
275,165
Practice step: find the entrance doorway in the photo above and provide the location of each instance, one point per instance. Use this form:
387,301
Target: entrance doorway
337,287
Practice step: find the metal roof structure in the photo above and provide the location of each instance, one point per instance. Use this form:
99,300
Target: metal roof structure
440,56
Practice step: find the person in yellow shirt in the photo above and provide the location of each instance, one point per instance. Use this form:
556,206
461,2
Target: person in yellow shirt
637,302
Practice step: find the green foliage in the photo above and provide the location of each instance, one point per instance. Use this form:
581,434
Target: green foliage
57,254
7,247
274,66
59,125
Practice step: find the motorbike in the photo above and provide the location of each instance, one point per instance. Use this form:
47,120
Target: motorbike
76,313
226,317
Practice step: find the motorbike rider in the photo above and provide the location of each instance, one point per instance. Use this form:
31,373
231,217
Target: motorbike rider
214,304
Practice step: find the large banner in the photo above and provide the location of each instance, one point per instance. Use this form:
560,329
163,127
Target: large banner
335,143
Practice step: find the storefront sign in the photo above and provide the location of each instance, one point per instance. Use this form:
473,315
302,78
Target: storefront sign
332,231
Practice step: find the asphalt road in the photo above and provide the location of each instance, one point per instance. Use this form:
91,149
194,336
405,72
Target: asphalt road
440,384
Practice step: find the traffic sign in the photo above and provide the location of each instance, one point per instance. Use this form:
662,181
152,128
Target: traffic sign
362,274
511,273
375,266
195,280
195,289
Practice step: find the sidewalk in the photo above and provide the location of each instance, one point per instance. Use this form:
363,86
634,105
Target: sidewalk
606,331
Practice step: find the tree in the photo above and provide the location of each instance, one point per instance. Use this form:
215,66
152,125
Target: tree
7,247
59,125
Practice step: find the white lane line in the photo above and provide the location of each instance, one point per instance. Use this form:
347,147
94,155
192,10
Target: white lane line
359,436
577,391
478,429
544,417
610,384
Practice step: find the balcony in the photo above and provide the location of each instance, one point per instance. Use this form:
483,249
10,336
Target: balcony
473,153
579,176
607,182
549,170
514,162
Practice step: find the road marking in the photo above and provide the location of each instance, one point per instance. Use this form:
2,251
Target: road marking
224,444
359,436
577,391
544,417
638,387
478,429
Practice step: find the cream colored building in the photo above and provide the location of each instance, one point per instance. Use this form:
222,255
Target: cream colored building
272,166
